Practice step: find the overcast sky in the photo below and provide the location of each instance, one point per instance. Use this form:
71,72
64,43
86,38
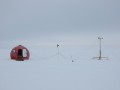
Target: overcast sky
58,19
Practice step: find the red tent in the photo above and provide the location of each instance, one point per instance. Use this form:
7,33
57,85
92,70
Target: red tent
20,53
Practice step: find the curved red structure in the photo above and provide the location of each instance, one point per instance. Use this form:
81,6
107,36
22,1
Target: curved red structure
20,53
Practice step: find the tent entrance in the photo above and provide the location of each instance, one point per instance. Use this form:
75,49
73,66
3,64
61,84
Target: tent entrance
20,54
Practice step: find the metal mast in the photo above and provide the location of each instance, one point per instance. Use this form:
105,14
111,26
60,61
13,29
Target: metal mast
58,50
100,50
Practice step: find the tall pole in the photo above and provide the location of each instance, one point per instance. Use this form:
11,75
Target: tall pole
58,50
100,50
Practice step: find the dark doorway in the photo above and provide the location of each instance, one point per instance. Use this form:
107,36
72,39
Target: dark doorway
20,54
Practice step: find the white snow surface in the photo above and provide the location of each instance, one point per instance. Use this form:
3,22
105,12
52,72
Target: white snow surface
47,71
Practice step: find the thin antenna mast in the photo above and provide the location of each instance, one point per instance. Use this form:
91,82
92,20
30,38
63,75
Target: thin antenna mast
58,50
100,50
